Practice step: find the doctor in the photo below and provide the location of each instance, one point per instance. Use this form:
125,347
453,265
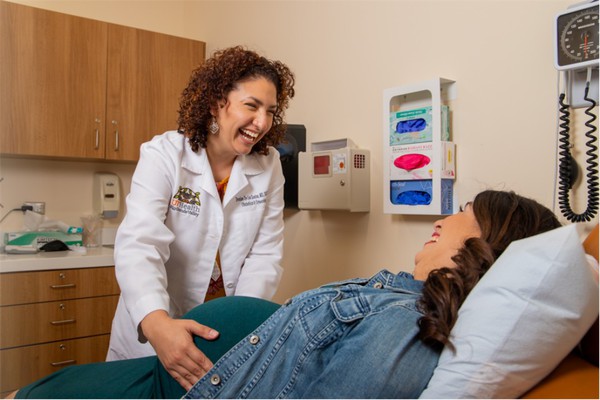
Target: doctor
205,211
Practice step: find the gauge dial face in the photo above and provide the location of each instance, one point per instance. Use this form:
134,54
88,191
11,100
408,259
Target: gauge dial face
578,37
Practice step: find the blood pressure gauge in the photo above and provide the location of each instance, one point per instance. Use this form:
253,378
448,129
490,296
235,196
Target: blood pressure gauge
576,33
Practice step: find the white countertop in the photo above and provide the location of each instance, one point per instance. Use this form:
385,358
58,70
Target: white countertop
96,257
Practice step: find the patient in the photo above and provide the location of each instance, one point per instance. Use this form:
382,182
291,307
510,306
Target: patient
367,338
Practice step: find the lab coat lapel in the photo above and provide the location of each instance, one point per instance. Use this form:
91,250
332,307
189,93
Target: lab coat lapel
197,163
243,168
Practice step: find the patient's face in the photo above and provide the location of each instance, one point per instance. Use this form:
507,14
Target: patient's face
448,237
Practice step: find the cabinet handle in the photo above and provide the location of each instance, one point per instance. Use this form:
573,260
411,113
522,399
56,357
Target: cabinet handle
65,286
116,124
63,322
61,363
97,142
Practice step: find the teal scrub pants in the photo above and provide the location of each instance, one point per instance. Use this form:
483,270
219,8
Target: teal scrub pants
145,378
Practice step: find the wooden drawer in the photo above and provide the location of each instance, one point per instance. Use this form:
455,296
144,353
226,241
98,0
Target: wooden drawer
23,365
46,322
37,286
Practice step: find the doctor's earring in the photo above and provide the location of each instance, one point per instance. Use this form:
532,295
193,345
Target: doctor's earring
213,127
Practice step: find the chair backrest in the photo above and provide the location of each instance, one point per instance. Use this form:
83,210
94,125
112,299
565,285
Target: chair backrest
589,344
591,243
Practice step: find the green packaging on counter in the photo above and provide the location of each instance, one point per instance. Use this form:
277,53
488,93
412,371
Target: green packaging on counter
39,238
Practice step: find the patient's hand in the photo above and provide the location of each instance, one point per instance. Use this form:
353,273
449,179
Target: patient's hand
173,342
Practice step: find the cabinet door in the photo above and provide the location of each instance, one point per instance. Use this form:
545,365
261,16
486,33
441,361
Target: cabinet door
147,73
53,80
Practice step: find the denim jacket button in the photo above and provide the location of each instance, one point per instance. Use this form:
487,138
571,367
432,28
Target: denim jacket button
254,339
215,380
378,285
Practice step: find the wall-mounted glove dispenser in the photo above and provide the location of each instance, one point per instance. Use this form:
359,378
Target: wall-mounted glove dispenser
335,175
419,164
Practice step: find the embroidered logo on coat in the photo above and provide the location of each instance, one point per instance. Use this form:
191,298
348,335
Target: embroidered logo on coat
186,201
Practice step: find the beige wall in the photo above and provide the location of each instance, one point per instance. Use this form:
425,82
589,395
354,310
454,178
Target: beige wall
344,54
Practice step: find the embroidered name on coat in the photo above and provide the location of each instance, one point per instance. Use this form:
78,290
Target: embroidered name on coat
252,199
186,201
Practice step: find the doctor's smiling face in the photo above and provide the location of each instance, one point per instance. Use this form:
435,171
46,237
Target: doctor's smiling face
244,118
448,237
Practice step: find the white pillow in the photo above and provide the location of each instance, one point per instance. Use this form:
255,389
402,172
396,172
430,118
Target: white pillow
525,315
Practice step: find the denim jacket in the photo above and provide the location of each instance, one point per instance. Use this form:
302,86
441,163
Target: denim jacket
350,339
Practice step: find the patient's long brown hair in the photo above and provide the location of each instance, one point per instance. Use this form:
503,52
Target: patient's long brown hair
503,217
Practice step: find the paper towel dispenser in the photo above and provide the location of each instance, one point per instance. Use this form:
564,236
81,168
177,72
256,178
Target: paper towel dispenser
106,195
335,175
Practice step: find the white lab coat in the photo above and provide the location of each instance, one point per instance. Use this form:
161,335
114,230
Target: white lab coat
166,245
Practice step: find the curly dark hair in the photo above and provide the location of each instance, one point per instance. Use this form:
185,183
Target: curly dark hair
212,81
502,217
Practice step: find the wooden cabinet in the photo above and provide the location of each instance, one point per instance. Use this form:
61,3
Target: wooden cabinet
154,69
78,88
52,319
53,79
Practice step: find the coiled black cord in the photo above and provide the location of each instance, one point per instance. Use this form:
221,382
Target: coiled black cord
565,166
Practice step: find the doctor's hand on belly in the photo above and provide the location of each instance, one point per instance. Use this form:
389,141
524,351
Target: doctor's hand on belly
172,339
